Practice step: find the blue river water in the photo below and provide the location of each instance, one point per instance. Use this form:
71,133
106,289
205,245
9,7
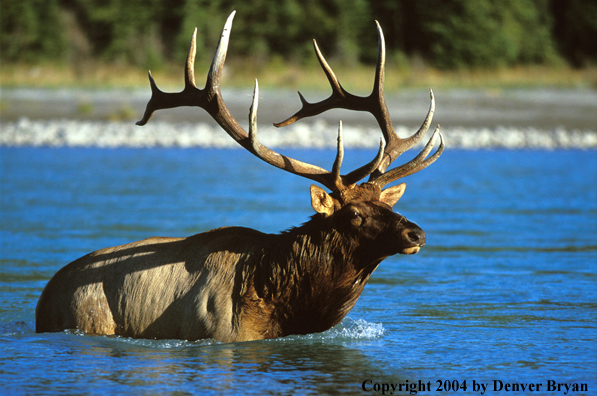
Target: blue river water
503,295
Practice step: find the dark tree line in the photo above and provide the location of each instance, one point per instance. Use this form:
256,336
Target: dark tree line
444,33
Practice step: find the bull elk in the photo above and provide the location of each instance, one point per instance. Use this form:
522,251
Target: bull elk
234,283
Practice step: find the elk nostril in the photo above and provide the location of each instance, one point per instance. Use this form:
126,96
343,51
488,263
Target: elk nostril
416,236
413,236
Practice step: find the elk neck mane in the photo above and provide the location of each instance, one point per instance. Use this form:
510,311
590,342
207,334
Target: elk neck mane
311,273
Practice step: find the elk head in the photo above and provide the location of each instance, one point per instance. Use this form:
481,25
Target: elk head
347,199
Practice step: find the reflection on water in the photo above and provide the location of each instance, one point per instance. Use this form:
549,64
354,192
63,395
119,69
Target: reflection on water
504,290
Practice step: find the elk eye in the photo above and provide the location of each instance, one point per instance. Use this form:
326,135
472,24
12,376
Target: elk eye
355,217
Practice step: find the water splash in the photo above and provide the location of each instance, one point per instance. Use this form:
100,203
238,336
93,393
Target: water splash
358,329
347,330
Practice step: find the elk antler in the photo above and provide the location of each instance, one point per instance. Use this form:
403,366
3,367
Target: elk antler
210,99
376,105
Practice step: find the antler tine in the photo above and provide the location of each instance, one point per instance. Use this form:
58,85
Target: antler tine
217,64
416,164
357,174
255,145
165,100
189,71
331,76
366,170
397,146
380,67
339,159
336,100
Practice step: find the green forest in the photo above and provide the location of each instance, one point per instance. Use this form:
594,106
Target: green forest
444,34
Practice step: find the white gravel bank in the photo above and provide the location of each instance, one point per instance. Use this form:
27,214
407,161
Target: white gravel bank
69,133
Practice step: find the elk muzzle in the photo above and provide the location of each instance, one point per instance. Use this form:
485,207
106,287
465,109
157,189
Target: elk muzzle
413,239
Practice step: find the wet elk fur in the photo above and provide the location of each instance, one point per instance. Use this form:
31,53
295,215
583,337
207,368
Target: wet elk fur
238,284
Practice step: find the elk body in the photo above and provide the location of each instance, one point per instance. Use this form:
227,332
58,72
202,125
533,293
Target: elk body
237,284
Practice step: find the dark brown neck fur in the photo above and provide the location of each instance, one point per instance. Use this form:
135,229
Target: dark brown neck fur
309,280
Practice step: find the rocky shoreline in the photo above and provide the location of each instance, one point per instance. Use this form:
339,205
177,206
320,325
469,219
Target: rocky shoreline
470,119
75,133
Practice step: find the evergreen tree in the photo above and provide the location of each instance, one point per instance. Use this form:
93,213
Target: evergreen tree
575,29
30,30
486,33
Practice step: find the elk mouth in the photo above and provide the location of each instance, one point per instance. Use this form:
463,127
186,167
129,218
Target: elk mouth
411,250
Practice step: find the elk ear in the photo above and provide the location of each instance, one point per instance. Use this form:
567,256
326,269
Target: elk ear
391,195
321,201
